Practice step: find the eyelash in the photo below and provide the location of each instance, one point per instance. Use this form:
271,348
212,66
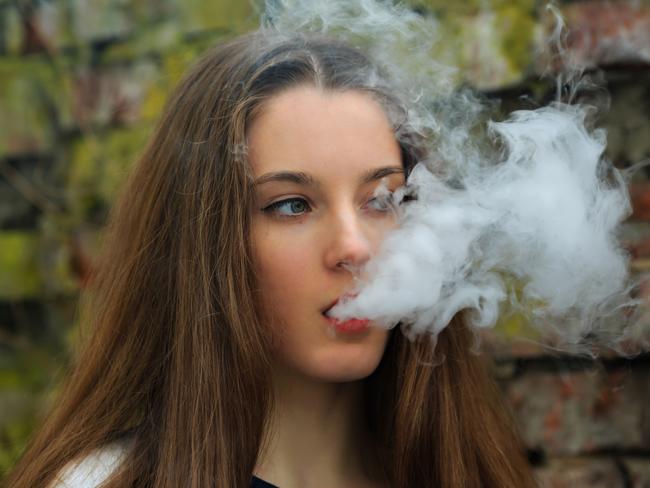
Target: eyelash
273,208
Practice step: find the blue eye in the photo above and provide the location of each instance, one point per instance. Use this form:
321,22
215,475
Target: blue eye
291,207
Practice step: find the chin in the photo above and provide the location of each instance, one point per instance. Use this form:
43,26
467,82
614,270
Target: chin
340,358
347,364
346,376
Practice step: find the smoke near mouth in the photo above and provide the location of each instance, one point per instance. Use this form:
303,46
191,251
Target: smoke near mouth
528,222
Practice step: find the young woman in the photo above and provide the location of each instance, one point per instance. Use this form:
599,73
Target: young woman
211,360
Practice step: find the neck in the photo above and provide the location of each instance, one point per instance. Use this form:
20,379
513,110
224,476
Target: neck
315,436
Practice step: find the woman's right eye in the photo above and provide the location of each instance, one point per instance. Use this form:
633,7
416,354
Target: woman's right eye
290,207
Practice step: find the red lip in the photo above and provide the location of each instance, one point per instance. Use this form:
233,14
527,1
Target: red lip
351,326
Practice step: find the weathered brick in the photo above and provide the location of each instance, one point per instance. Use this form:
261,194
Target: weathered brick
229,15
492,47
20,275
51,30
602,32
174,64
149,11
35,265
580,473
483,59
16,211
84,250
572,412
97,20
12,29
112,95
635,237
57,258
446,9
34,27
639,471
627,125
640,195
512,336
148,41
25,123
122,148
628,334
99,164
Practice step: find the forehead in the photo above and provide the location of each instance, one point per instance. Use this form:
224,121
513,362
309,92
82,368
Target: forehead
321,132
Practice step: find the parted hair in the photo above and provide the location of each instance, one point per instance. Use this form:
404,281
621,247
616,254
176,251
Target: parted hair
176,356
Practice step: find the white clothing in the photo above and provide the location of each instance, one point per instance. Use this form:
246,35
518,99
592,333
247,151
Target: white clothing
93,470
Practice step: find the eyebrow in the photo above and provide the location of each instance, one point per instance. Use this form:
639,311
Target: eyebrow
300,178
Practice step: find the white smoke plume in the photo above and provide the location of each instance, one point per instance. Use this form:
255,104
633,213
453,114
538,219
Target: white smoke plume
528,222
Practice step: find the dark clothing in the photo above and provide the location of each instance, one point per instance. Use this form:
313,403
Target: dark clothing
258,483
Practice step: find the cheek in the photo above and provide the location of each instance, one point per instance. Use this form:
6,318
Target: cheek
286,265
380,230
286,270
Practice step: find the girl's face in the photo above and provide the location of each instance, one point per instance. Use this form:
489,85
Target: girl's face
317,157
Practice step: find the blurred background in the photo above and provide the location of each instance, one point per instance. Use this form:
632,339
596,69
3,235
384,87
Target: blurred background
82,82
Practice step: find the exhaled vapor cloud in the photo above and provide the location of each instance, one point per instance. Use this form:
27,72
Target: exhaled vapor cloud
530,225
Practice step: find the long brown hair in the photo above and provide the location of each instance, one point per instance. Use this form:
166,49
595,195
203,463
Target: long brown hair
177,359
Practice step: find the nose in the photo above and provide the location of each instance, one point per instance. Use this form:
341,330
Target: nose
348,242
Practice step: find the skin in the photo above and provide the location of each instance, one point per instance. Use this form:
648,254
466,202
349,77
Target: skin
304,234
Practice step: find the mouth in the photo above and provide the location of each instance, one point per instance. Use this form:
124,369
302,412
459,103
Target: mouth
350,326
326,310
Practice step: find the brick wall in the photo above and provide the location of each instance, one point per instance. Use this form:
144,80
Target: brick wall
82,81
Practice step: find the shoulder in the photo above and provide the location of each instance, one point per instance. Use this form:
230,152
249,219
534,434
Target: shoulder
94,469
